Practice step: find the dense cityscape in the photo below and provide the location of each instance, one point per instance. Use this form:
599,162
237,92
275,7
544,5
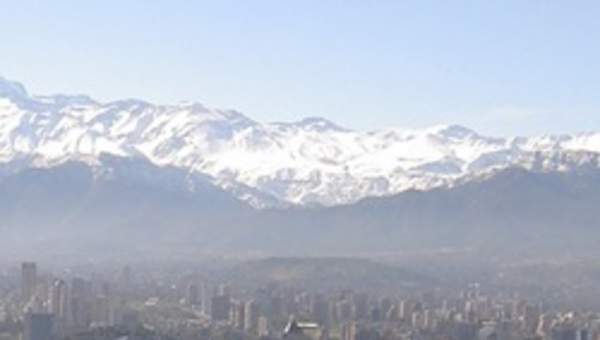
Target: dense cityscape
36,304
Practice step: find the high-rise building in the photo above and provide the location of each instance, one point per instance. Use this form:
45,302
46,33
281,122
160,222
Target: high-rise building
193,295
38,326
224,289
349,331
320,309
125,278
81,302
582,334
220,306
361,305
250,316
428,320
405,310
237,314
204,300
59,303
28,280
101,310
276,306
263,327
343,311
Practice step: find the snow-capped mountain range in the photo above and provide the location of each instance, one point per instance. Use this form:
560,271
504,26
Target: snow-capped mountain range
312,161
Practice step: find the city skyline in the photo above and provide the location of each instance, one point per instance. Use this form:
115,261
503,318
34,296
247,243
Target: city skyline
188,302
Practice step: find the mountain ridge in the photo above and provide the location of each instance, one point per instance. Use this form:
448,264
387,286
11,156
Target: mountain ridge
308,162
135,208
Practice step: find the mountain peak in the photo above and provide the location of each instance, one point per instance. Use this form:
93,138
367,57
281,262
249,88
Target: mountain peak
452,131
317,124
62,100
12,89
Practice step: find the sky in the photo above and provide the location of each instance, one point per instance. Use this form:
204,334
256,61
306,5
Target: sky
499,67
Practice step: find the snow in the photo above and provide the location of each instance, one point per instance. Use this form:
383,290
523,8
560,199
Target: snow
305,162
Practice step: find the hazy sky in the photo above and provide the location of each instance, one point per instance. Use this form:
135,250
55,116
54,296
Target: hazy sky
501,67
